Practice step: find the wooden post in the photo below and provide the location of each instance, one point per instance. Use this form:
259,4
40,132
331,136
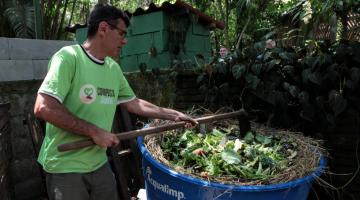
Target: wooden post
136,154
126,158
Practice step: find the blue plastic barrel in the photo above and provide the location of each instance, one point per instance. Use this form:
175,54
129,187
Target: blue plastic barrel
163,183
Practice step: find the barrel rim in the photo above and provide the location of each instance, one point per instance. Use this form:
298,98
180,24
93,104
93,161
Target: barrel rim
244,188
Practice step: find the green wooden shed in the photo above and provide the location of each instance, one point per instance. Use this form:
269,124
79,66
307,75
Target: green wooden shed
160,35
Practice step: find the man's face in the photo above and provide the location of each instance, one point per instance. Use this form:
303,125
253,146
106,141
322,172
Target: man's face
223,52
115,39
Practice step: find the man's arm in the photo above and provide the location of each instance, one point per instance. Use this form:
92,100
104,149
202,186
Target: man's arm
147,109
52,111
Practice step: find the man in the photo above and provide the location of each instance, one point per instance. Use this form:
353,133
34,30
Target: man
223,53
78,99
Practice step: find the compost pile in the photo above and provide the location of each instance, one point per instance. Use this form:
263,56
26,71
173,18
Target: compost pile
215,153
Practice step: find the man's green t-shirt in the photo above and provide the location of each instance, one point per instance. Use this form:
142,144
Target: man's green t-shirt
90,90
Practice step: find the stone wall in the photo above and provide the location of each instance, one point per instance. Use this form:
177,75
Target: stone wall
25,171
23,65
5,152
24,59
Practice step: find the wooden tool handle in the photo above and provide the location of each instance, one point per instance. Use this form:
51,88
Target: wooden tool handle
152,130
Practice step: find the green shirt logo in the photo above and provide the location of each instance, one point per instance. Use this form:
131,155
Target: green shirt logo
87,94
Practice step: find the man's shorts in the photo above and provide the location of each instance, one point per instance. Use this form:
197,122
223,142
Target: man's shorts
97,185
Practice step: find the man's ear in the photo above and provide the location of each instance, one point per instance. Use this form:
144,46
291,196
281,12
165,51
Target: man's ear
103,26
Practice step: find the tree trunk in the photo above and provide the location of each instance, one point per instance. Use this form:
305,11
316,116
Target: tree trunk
225,17
60,30
83,7
242,32
227,13
333,27
55,20
42,5
71,16
72,12
222,14
39,28
2,20
344,23
48,7
87,11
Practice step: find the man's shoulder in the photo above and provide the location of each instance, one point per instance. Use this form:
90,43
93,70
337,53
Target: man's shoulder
113,64
70,50
111,60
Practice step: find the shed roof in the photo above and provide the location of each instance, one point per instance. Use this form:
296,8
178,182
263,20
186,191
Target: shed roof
170,8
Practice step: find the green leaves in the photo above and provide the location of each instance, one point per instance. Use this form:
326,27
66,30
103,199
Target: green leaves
200,78
249,137
314,77
284,84
221,67
337,102
272,63
355,75
290,70
252,81
310,61
263,139
256,68
287,56
238,70
230,156
22,20
294,91
257,156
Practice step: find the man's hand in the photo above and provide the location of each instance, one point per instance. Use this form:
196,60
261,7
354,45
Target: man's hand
105,139
52,111
190,122
147,109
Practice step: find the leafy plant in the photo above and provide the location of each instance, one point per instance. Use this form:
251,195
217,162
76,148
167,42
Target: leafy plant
310,85
21,18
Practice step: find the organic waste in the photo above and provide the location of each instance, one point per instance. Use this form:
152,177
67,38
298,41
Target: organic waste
260,157
216,154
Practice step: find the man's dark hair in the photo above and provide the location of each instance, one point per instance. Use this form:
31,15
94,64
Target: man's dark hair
107,13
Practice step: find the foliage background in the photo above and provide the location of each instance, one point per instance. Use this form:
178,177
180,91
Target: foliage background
246,21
